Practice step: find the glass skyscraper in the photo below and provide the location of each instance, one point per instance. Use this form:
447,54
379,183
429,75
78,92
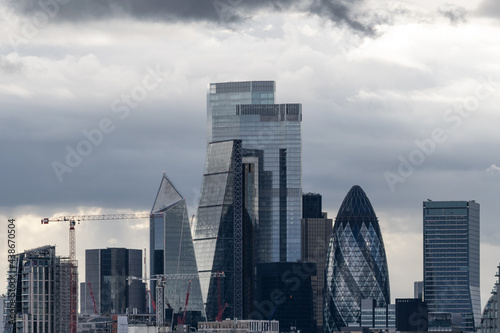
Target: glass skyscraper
246,111
356,263
451,259
316,232
218,232
172,250
490,321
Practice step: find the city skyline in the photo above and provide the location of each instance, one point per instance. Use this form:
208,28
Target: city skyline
375,101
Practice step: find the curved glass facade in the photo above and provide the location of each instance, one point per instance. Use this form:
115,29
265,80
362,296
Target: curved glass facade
356,263
490,321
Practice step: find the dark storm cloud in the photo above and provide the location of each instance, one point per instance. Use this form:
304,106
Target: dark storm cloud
217,11
130,157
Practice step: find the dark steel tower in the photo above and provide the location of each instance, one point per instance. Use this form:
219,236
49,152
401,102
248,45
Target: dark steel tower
356,265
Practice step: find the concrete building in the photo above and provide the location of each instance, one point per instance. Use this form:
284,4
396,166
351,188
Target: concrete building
240,326
377,317
42,289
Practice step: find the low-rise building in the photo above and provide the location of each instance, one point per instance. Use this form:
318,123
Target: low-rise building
239,326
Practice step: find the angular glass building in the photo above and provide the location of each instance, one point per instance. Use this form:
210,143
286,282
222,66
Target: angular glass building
218,231
451,259
172,250
356,265
246,111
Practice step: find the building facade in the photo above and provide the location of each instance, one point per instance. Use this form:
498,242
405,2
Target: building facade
316,233
42,289
356,265
377,317
218,231
106,282
242,326
246,111
451,259
418,289
284,293
172,249
411,315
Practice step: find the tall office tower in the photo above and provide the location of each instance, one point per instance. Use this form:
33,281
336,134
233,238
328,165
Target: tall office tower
316,232
42,289
246,111
219,231
106,275
490,321
171,248
451,259
357,265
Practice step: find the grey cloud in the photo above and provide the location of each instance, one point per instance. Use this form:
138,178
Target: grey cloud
9,66
489,8
226,12
455,14
339,11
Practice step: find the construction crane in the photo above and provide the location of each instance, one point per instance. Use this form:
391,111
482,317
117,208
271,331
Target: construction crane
72,219
93,298
221,311
183,320
160,289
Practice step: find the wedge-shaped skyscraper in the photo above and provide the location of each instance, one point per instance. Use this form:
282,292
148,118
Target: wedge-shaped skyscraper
356,265
219,231
171,247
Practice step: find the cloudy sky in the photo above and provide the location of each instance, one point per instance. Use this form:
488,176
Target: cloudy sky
98,99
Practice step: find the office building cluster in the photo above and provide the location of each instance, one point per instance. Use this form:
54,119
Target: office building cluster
261,252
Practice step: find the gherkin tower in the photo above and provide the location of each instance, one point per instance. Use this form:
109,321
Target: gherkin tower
356,263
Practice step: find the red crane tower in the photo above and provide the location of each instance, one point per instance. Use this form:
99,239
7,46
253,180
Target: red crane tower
183,320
